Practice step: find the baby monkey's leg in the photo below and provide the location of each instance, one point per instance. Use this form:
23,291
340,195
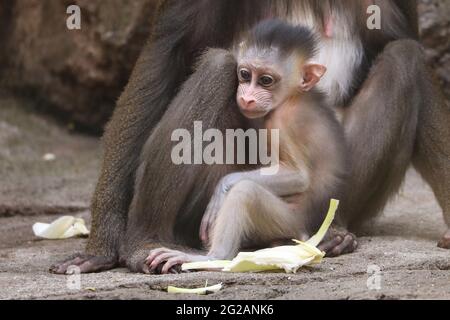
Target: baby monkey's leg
250,215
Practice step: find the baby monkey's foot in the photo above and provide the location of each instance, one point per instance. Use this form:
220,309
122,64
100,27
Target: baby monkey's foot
165,261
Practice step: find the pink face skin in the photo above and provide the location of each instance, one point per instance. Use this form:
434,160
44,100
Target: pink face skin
256,91
263,86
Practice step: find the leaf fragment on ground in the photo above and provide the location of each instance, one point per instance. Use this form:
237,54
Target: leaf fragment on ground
62,228
200,291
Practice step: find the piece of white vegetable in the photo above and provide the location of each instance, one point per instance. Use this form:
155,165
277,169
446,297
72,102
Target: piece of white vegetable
200,291
49,157
63,228
318,237
285,258
212,265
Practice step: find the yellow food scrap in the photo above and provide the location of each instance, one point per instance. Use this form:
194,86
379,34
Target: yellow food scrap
62,228
215,265
200,291
318,237
285,258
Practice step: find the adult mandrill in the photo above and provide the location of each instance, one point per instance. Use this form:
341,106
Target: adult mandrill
378,82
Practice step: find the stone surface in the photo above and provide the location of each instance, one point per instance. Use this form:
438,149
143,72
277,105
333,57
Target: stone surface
402,243
43,167
79,73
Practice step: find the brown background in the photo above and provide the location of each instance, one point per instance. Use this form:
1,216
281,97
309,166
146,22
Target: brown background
79,74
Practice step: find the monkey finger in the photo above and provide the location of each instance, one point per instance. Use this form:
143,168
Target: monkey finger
145,269
63,267
329,244
86,264
97,264
154,253
160,259
173,271
444,243
207,234
171,263
206,229
176,269
346,246
203,230
353,247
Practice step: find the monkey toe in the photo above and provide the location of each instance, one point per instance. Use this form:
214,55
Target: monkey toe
204,231
173,264
85,264
63,267
327,246
164,261
339,244
97,264
158,260
347,245
146,269
154,254
445,241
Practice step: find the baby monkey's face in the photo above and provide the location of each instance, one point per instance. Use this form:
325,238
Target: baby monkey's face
264,85
267,81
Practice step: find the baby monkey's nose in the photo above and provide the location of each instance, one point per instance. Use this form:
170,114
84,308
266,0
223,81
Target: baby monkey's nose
248,103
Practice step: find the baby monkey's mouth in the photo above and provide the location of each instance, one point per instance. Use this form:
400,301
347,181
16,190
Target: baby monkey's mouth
254,114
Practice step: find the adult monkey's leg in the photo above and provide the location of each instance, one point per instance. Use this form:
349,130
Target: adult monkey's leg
167,208
432,152
380,127
144,101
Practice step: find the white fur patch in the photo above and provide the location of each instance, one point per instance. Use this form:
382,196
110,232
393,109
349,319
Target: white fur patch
342,58
342,55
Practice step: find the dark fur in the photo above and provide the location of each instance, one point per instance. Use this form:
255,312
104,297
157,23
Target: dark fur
279,34
380,155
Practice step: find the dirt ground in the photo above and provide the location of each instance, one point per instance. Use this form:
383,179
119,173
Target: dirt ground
401,242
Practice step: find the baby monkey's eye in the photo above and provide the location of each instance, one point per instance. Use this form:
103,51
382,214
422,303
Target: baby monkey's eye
245,75
266,81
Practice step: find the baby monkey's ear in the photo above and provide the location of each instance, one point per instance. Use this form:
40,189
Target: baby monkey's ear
312,73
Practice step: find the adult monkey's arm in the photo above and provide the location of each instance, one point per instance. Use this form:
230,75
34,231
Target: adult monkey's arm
409,9
138,110
179,37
